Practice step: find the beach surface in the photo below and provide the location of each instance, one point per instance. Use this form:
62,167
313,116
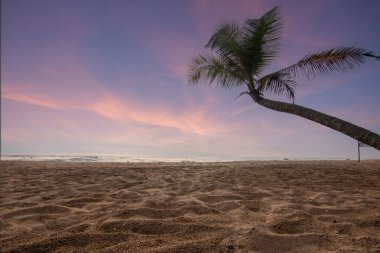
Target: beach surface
258,206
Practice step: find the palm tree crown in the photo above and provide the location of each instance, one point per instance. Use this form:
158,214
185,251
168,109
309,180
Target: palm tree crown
238,56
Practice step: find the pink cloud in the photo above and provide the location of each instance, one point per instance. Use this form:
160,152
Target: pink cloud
54,95
193,120
35,100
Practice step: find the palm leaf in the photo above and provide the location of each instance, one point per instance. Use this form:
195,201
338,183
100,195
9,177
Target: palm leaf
278,83
337,59
225,37
206,69
261,39
225,42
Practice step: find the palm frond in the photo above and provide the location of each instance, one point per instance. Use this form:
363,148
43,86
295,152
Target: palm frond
278,83
225,41
225,35
241,94
206,69
261,39
338,59
370,54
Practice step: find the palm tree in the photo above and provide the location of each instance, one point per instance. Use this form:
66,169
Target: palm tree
238,56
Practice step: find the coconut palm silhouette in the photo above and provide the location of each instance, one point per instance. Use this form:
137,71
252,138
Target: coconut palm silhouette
238,55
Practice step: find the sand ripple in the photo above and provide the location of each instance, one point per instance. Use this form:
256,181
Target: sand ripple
190,207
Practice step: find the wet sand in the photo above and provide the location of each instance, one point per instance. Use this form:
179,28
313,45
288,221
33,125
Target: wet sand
260,206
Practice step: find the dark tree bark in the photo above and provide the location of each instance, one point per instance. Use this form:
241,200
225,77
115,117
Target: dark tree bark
363,135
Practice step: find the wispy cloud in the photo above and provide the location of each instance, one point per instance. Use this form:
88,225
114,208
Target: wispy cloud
191,120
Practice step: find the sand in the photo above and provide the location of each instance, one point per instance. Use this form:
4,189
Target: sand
260,206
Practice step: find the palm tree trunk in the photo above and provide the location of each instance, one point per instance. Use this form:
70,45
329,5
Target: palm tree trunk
363,135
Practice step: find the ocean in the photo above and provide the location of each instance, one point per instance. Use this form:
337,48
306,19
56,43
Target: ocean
141,158
110,158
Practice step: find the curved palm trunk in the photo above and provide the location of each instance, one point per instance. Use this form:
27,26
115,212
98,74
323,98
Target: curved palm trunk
363,135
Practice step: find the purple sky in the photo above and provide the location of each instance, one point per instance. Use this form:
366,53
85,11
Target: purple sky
109,77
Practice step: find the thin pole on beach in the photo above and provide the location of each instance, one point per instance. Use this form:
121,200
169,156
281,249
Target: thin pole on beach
360,145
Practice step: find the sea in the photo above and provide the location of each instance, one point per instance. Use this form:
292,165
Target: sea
111,158
142,159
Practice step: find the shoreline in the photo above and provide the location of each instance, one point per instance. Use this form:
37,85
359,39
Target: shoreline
194,162
156,159
244,206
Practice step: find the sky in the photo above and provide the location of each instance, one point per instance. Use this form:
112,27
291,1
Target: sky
110,77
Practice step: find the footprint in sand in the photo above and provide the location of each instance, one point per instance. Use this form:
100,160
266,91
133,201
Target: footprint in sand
77,241
153,227
261,240
80,202
212,199
149,213
39,210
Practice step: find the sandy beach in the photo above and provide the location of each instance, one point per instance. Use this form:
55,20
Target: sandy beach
260,206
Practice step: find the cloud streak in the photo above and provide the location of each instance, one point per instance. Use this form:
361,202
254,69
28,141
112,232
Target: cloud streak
193,120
